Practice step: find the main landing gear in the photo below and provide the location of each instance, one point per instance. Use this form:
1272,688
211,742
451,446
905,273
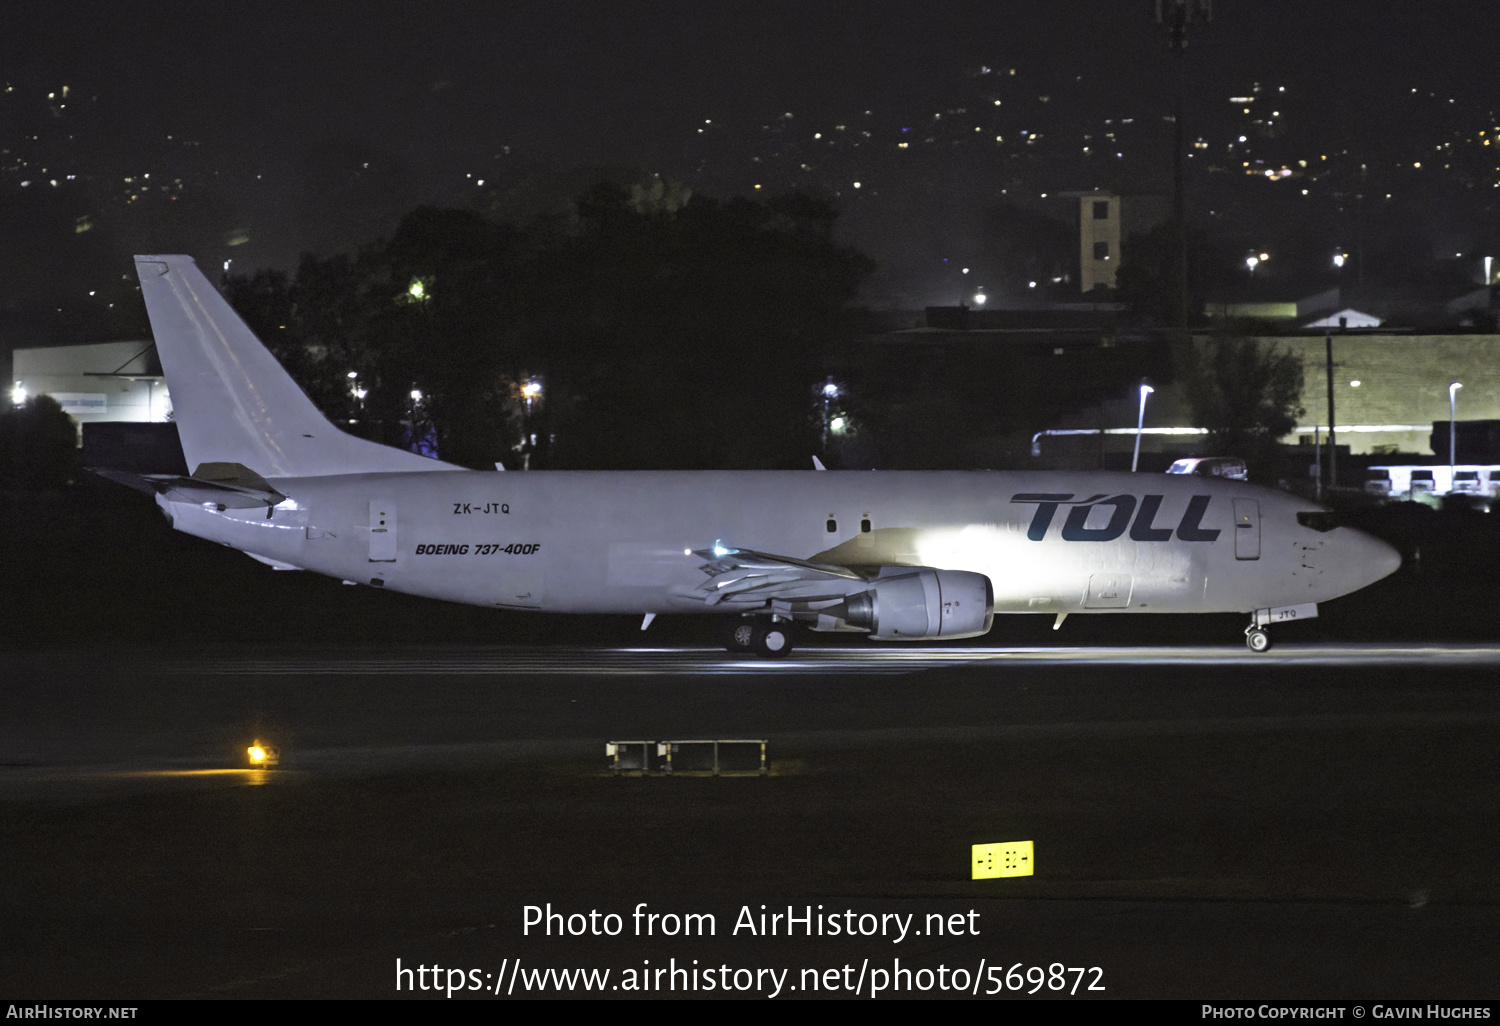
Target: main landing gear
769,639
1257,638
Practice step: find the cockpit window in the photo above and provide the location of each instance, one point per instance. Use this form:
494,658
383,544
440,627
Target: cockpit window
1318,520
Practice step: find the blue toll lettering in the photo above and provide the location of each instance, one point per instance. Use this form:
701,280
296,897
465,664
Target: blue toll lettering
1190,529
1141,530
1074,529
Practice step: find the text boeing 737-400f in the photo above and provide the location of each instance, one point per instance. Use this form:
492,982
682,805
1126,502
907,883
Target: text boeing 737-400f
896,555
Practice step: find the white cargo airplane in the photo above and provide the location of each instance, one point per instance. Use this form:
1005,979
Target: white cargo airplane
896,555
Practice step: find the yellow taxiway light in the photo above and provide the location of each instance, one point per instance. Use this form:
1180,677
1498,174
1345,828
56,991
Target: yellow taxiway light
1008,858
263,756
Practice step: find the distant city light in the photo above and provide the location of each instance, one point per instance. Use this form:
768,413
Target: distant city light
417,291
416,395
979,298
1339,258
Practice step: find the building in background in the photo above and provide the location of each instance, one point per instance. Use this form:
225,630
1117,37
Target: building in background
1098,240
96,383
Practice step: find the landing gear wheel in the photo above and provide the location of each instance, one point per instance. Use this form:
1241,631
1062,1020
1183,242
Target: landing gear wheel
739,636
772,640
1257,639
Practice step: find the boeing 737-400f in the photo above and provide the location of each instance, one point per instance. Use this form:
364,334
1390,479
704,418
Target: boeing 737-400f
896,555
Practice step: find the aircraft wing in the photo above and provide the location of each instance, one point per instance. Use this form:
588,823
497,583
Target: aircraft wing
738,577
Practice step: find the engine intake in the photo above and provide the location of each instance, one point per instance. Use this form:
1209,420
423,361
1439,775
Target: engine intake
912,606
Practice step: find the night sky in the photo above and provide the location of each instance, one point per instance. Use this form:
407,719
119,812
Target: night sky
298,94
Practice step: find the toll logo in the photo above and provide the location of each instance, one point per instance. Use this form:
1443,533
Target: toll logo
1139,516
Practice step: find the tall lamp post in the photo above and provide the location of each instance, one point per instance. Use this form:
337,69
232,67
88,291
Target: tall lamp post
1140,423
1176,16
530,391
1452,428
830,393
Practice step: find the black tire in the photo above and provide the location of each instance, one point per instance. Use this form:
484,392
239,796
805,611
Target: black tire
1258,640
739,635
773,640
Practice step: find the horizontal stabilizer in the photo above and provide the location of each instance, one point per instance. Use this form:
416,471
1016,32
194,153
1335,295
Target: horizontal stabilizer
197,490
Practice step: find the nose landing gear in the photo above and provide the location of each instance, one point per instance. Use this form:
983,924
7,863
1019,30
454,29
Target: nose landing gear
1257,638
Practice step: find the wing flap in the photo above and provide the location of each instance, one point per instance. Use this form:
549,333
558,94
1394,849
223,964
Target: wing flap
739,577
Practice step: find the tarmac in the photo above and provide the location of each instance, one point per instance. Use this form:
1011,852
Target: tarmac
1316,822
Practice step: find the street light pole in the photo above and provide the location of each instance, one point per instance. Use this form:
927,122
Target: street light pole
1176,16
1333,454
1140,423
1452,428
830,392
531,390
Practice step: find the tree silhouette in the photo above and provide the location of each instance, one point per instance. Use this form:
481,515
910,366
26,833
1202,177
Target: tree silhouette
1247,397
38,444
666,330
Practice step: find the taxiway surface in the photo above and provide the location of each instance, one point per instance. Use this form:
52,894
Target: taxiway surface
1316,822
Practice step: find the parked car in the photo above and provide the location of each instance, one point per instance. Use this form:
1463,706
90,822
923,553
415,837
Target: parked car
1212,466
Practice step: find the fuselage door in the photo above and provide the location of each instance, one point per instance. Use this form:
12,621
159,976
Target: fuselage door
1246,529
382,530
1108,591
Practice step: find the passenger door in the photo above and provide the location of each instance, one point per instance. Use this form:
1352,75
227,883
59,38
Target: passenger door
1246,529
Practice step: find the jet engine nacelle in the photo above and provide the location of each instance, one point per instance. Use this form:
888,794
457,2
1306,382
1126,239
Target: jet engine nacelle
910,606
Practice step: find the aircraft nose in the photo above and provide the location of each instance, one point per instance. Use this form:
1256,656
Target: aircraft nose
1375,558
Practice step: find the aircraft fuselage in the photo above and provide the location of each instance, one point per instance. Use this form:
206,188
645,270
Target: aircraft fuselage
632,542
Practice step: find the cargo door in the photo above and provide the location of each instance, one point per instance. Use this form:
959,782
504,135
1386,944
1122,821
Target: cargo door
1246,529
382,531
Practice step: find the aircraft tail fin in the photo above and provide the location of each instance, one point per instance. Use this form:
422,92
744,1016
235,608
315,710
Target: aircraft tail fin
233,403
